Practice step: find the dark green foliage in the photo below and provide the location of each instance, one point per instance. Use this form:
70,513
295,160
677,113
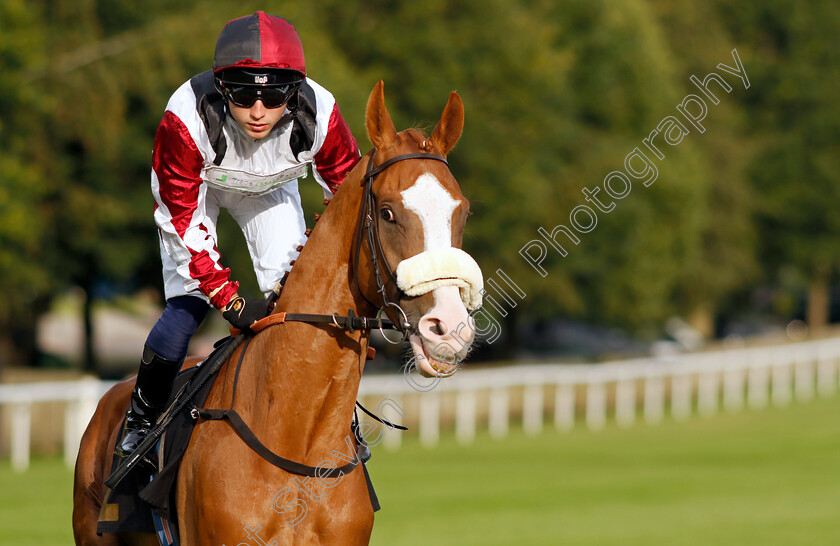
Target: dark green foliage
556,95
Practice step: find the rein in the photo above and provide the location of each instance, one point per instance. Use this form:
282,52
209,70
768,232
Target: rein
247,435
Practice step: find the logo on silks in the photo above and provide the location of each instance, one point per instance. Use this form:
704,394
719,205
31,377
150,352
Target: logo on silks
249,183
260,79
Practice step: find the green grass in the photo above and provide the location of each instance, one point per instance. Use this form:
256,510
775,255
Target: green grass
36,506
765,478
756,478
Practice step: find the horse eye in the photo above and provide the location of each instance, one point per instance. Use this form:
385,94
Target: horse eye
388,215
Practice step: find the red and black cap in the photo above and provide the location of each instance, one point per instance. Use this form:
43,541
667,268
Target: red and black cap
261,44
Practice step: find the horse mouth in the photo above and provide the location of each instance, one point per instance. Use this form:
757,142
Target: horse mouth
434,363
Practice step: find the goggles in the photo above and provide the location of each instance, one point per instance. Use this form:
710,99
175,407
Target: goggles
245,96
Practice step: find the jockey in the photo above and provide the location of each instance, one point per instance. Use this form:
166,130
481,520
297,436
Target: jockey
236,137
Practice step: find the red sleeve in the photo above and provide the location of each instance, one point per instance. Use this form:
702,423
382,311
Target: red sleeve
339,153
177,164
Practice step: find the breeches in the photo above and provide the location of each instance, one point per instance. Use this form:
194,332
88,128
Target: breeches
273,227
170,336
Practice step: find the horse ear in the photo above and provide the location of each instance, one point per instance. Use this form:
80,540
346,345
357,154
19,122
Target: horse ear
448,130
380,127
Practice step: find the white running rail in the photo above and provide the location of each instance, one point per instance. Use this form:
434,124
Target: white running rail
625,391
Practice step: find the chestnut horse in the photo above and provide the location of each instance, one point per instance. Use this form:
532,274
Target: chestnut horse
298,382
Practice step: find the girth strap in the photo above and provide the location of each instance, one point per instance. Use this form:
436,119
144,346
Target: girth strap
247,435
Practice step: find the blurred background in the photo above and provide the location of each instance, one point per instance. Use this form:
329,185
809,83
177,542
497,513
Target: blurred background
735,247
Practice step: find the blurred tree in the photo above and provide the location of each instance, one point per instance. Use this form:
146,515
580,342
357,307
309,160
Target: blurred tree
105,70
624,82
726,261
795,121
493,54
556,95
103,88
24,273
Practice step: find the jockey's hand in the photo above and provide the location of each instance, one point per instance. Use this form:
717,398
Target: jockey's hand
242,314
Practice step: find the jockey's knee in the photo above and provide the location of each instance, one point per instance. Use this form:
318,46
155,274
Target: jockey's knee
170,336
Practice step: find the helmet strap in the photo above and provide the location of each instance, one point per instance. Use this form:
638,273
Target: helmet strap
291,110
286,118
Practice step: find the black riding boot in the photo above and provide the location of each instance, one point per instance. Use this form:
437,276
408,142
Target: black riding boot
151,392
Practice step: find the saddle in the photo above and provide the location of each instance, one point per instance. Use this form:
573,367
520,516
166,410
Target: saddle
144,502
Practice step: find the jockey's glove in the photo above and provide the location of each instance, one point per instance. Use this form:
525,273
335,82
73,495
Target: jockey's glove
242,314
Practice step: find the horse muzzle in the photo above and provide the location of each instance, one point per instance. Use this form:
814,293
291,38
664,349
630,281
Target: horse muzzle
445,333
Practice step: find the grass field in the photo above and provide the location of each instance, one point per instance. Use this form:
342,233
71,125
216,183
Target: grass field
762,478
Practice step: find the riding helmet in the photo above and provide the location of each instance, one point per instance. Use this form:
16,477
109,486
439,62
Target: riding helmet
259,49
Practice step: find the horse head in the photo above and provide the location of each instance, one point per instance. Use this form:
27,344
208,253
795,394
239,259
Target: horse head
419,212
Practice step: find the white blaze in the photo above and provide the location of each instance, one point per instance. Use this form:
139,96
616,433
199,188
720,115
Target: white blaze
433,352
428,199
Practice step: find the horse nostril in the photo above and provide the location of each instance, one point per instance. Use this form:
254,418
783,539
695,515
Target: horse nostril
432,328
438,327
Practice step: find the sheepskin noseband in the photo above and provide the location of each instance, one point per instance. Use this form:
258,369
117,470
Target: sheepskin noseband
442,267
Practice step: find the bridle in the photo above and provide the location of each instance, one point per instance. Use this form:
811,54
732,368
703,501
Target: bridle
370,226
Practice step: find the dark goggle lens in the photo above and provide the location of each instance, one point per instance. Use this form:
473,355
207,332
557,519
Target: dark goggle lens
245,96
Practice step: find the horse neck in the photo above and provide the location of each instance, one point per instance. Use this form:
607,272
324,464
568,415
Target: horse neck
320,281
310,374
